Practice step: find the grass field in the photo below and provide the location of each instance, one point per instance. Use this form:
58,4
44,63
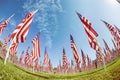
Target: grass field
12,72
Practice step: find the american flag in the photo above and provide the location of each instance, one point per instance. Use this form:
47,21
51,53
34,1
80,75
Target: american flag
13,48
7,39
91,33
29,62
99,57
26,59
50,66
36,47
21,57
106,56
72,66
108,51
36,62
65,61
111,28
21,31
117,29
46,59
114,44
83,59
4,24
89,62
75,51
113,31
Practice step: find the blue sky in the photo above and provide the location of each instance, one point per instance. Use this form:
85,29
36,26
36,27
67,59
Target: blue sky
56,20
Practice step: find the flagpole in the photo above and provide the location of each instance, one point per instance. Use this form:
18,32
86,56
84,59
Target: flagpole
11,15
7,54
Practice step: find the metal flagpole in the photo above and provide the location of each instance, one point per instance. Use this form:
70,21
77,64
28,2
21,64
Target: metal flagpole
11,15
7,54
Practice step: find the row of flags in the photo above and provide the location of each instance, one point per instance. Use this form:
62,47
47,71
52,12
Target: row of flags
20,33
115,32
32,57
30,61
93,42
65,61
36,47
46,58
92,38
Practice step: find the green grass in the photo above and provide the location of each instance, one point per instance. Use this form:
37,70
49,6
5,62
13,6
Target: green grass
12,72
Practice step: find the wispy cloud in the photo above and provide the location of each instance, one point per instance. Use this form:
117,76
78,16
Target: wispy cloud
46,18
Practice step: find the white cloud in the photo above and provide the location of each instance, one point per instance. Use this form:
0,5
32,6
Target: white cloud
46,18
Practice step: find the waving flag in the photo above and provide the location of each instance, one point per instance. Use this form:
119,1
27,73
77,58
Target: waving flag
113,31
30,60
91,33
108,51
36,63
117,29
36,47
46,59
13,48
99,57
21,31
26,59
4,24
114,44
75,52
106,56
111,28
89,62
7,39
65,61
50,66
83,59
